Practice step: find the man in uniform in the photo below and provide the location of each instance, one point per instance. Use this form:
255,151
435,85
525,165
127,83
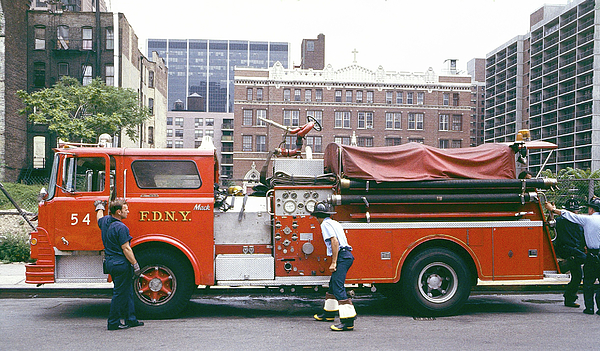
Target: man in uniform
570,246
591,267
340,252
119,261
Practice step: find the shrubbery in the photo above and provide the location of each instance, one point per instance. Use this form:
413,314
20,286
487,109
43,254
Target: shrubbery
14,247
14,231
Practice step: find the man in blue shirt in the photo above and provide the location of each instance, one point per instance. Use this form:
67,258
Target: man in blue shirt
119,260
340,252
591,267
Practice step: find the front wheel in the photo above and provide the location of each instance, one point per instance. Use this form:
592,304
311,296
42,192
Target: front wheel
435,282
164,286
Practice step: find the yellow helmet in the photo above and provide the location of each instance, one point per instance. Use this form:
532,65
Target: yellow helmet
235,190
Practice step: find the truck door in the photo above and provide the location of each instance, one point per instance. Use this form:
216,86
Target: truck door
81,181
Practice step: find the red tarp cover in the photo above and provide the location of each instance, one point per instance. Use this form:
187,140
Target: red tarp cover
415,161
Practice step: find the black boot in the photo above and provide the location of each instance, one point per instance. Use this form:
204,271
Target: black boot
347,316
330,309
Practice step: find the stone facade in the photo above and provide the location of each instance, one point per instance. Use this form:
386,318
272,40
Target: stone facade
378,108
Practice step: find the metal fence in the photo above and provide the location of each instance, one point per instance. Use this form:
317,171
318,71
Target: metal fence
580,189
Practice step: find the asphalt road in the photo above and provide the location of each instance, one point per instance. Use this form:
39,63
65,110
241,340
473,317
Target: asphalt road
282,322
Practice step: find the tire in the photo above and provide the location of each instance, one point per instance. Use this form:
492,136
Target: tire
165,285
436,282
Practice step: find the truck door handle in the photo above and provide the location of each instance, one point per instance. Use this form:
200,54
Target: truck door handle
64,241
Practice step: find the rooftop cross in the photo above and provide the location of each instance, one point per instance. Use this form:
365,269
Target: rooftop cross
354,52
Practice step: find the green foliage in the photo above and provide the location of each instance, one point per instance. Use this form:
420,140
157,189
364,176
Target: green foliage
24,195
82,113
14,247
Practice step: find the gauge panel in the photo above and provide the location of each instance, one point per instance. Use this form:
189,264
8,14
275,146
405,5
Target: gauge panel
299,201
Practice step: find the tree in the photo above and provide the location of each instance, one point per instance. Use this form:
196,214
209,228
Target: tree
82,113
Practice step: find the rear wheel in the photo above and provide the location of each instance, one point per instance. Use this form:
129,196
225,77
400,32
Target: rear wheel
435,282
165,285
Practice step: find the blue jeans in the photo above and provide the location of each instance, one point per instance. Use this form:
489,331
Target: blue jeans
121,305
338,278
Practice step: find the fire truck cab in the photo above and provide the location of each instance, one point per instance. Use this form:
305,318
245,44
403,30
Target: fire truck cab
429,240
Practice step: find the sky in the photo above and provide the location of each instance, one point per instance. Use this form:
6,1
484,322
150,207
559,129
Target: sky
399,35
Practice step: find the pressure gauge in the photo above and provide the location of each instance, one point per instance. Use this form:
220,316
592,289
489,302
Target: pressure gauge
289,206
306,195
285,195
294,195
315,195
310,206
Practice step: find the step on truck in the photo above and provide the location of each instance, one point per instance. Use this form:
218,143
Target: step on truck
426,224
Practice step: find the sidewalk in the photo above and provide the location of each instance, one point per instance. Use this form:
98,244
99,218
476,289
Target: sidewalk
12,276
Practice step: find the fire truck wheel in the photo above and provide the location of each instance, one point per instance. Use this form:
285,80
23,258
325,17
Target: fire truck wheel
435,282
164,286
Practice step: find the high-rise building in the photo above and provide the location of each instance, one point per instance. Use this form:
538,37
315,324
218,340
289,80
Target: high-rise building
557,85
375,108
476,69
68,5
313,53
206,67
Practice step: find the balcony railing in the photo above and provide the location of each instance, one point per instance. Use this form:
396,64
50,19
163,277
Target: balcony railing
72,45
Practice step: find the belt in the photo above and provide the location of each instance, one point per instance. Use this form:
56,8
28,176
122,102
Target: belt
346,248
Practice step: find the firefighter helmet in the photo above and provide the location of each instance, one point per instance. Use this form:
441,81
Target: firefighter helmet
322,210
572,205
235,190
594,203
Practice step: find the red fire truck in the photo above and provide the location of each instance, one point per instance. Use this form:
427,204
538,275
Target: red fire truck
425,223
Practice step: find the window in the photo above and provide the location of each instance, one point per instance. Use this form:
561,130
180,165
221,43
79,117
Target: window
63,69
369,97
415,121
388,97
338,96
342,119
39,152
166,174
364,141
169,144
110,39
247,143
151,106
39,75
179,121
178,133
455,99
150,79
290,142
457,123
297,94
365,120
62,37
286,94
247,120
348,95
249,94
291,118
261,143
210,122
359,96
169,121
259,94
198,122
198,134
261,114
87,74
210,133
318,115
150,135
319,95
86,35
179,144
310,45
409,98
456,144
109,71
420,98
443,143
393,120
446,99
342,140
391,141
197,143
84,174
315,142
444,120
40,38
307,95
399,97
416,140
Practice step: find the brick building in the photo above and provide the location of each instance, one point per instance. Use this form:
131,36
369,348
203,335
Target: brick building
379,108
65,43
312,53
13,77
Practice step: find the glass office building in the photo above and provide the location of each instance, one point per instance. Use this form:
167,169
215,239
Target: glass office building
206,67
